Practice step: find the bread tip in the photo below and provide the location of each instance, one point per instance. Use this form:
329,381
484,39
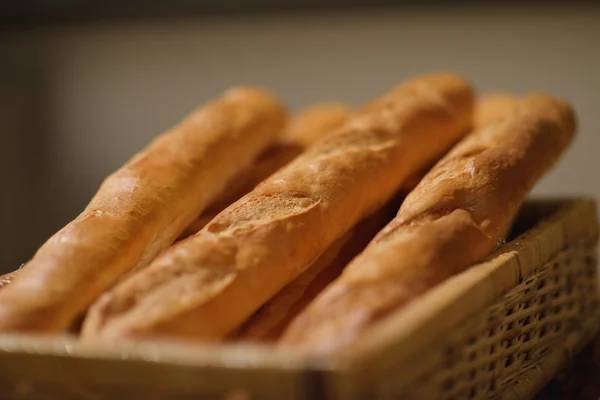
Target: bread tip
255,91
455,85
556,109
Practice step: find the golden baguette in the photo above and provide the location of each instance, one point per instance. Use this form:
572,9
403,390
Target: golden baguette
309,125
141,209
207,285
269,322
454,218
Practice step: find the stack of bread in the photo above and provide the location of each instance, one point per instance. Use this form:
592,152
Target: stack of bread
242,224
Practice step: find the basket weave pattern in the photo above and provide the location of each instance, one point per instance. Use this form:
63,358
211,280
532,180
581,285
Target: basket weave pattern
489,356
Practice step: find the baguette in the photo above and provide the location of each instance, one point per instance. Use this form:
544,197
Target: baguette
207,285
456,216
305,128
140,209
269,322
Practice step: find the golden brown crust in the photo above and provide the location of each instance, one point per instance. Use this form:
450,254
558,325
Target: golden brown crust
305,128
140,209
206,285
455,217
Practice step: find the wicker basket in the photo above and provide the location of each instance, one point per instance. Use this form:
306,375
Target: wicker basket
499,330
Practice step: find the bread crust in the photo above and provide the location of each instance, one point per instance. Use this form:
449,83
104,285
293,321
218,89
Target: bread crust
140,209
455,217
207,285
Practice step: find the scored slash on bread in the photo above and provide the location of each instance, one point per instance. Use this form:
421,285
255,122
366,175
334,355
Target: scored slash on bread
141,209
455,217
206,285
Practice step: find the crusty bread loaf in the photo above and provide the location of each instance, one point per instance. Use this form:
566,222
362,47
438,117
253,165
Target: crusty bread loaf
140,209
207,285
454,218
307,126
269,322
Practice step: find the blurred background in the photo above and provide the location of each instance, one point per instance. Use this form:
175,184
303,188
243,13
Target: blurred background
83,87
